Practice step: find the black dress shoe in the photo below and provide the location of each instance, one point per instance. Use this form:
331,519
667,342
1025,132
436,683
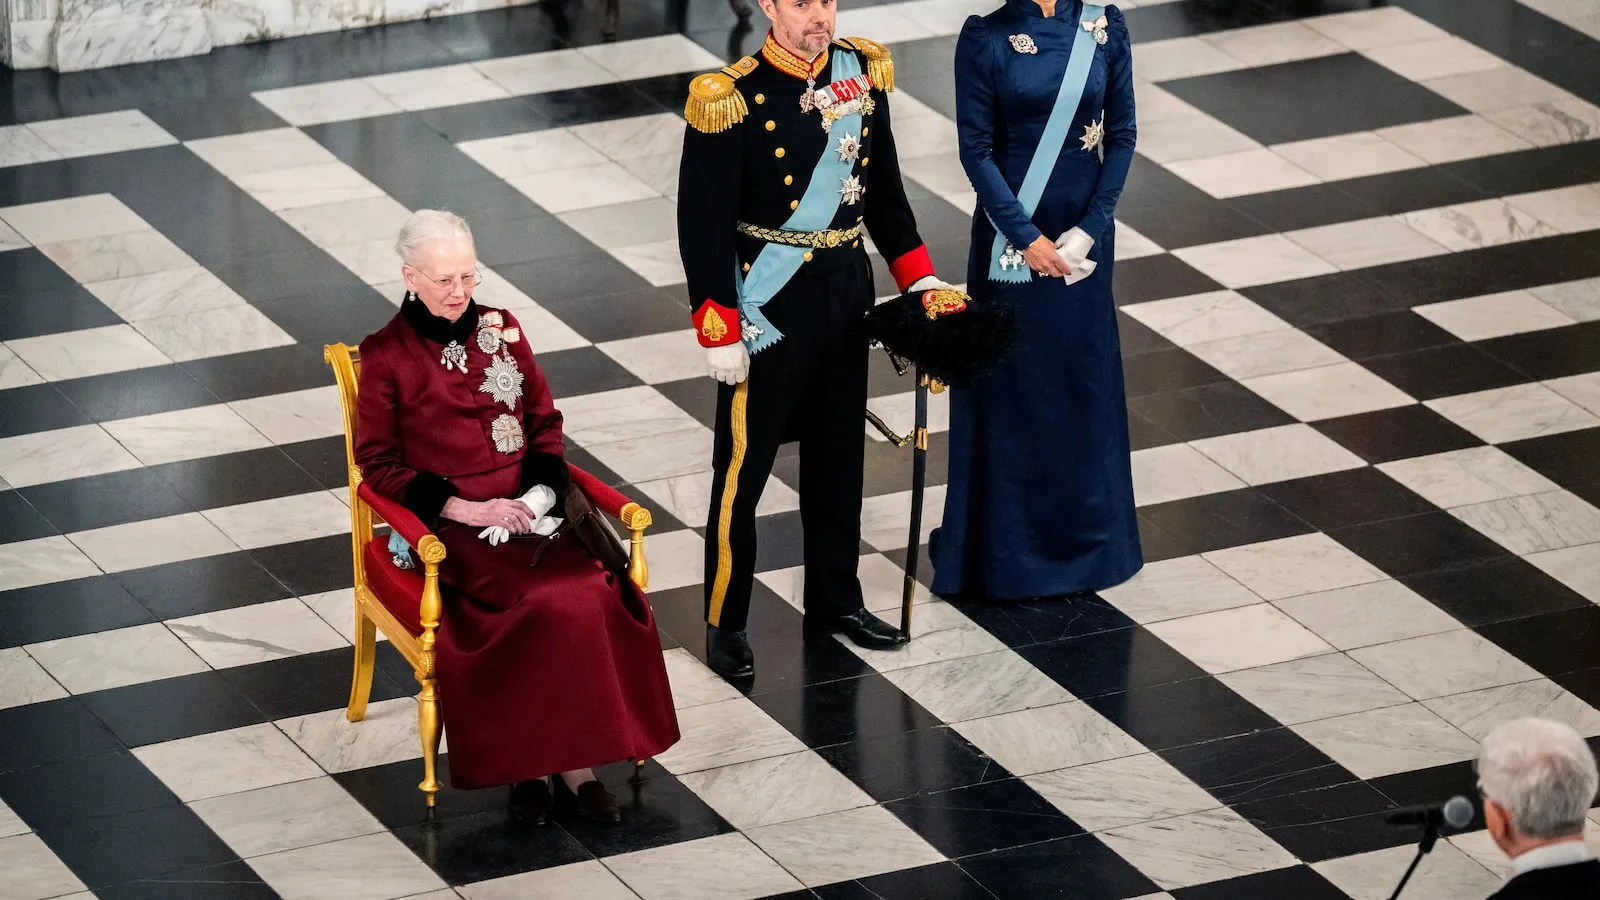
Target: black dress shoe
728,653
531,802
861,627
592,802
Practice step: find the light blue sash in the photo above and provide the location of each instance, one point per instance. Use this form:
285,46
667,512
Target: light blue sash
1051,142
777,263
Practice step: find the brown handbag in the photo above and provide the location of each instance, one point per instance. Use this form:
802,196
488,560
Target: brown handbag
591,527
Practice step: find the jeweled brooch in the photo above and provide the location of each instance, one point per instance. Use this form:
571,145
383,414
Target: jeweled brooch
506,431
503,381
1094,133
454,357
1098,26
1023,43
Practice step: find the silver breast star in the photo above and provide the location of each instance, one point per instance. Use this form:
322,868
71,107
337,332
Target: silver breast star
849,147
1093,133
503,381
851,190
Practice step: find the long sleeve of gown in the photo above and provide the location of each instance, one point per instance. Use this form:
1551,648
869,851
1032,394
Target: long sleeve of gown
977,112
378,448
1121,132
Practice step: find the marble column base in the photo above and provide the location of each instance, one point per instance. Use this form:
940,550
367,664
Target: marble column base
103,41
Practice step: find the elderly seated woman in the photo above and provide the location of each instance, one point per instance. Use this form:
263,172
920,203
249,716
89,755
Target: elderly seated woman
548,659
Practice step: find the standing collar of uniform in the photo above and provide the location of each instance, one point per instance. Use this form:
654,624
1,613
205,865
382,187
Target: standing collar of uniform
1550,856
1065,9
789,64
437,328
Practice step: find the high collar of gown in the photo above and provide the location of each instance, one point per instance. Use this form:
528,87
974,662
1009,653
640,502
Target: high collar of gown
1066,10
437,328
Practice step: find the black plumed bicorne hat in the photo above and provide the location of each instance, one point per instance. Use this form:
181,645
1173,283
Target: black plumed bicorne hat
948,335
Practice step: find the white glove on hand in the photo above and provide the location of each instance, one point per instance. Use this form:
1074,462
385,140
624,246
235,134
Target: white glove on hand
1073,247
929,283
539,500
730,363
495,535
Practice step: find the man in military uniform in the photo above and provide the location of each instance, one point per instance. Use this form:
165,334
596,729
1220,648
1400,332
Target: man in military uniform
787,157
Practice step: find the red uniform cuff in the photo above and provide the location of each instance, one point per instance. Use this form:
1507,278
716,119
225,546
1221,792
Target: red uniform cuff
911,266
716,325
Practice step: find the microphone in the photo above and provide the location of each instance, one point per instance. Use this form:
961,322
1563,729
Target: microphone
1455,812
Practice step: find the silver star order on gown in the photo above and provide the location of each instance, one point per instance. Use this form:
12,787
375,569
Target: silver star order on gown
506,432
851,190
503,381
849,147
454,357
1093,133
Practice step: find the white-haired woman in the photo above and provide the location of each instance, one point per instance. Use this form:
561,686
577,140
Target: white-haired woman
549,662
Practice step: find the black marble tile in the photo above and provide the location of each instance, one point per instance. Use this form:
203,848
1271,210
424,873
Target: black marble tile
850,709
1490,270
20,520
1025,624
207,584
584,370
914,762
1219,521
390,793
531,236
1038,871
1306,302
1400,433
172,709
1392,193
100,501
1496,591
1300,882
1181,713
1143,434
780,541
35,408
572,275
89,787
597,103
485,119
1525,171
1401,331
1584,684
1157,545
318,682
139,392
490,206
509,31
324,459
655,813
1135,338
583,459
1166,370
613,317
301,272
309,567
943,880
1305,207
1567,458
1327,823
226,881
887,468
1210,410
1312,98
137,846
1174,213
1554,642
258,373
38,734
1342,499
193,121
983,818
1520,35
1157,278
465,849
1444,371
1434,784
1259,766
1415,545
327,317
1555,353
38,312
1110,662
62,609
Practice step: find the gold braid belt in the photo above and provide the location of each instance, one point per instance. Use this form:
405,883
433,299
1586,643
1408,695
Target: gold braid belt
817,240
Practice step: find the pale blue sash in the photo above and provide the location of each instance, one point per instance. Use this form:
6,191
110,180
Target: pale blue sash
777,263
1051,142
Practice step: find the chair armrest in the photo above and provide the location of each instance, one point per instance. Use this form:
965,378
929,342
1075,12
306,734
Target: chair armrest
605,497
402,520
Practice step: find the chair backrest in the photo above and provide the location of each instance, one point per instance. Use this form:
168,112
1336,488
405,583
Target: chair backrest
346,363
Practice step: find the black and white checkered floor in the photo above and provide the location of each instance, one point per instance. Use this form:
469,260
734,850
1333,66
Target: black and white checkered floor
1361,282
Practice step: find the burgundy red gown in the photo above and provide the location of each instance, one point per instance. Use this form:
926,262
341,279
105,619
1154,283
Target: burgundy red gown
547,662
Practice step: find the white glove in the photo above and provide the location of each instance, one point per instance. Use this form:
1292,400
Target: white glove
929,283
546,526
539,500
495,535
1073,247
730,363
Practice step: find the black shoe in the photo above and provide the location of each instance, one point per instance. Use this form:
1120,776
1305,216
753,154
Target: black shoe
592,802
728,653
861,627
531,802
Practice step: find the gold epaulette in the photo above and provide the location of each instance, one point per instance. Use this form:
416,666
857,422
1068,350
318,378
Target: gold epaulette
880,68
715,103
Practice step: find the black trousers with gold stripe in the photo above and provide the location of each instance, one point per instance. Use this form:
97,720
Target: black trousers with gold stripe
811,387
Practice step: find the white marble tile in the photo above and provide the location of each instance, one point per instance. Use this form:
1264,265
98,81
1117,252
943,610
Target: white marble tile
620,224
688,497
1318,687
589,879
1174,139
14,372
1293,566
1133,245
1198,848
889,24
108,256
1365,614
1243,638
923,136
939,174
294,416
11,824
1392,739
1578,299
213,332
1438,58
302,813
1173,588
882,583
43,561
46,456
899,412
1352,155
438,86
1576,567
33,872
1567,210
311,185
1244,173
1438,665
1371,28
1536,522
533,152
1048,738
1269,45
658,262
23,681
1176,472
92,351
942,633
1266,353
374,262
1205,317
164,293
1367,242
337,608
349,221
1549,124
1470,226
1493,315
1156,104
1479,712
657,457
1328,392
693,683
227,762
71,219
1120,792
1463,477
721,734
1509,414
777,789
329,101
667,54
854,844
1248,262
116,658
638,137
660,172
1278,454
373,867
886,518
725,867
567,189
257,633
282,520
19,146
537,73
677,559
990,684
1496,89
111,132
1445,874
387,735
152,542
1481,847
186,434
238,155
544,332
10,239
1186,57
1583,390
1453,139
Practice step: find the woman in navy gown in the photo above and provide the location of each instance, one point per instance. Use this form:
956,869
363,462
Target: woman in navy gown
1040,497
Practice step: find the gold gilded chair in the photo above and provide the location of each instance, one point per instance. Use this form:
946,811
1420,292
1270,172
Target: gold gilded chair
405,603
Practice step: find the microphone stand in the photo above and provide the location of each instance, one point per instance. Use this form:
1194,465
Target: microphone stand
1430,836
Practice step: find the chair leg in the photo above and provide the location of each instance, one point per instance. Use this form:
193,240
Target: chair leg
428,727
366,656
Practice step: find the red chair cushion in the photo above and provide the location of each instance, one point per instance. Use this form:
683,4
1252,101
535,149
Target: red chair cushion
399,590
